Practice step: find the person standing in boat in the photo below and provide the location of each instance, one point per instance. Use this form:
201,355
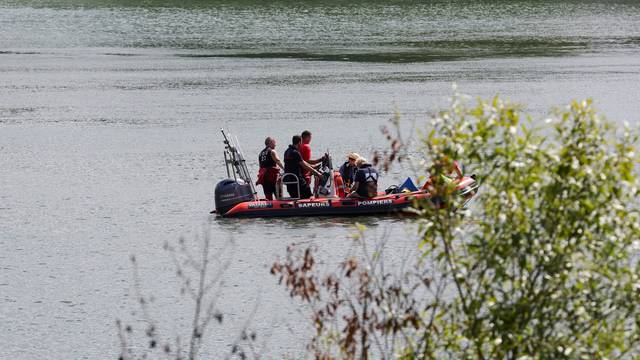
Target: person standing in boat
295,164
305,151
365,184
270,166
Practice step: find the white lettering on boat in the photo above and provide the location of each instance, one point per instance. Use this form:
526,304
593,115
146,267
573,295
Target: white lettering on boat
375,202
260,205
313,205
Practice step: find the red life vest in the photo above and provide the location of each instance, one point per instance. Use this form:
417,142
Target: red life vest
268,169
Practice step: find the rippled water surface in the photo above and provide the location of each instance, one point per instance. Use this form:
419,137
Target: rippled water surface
109,135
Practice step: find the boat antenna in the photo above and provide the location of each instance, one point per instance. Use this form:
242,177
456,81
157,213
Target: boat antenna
235,162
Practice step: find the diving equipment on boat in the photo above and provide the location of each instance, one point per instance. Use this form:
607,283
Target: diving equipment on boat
325,186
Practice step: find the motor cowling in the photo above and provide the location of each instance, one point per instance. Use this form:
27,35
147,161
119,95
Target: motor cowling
230,193
467,187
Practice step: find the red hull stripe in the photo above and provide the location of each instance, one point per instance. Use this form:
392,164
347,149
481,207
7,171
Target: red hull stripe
324,206
333,206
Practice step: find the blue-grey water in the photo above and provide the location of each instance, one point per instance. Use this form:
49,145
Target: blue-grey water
109,136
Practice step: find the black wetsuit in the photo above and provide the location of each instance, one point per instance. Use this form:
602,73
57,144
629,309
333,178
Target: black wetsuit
268,182
367,178
292,159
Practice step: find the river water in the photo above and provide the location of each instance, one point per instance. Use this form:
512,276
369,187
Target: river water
110,146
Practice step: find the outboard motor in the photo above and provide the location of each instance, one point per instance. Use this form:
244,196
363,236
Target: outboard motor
230,193
467,187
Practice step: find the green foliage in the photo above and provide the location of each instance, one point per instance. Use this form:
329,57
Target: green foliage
546,263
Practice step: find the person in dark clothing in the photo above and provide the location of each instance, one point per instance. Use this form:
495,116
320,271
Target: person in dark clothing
348,169
269,163
366,181
294,164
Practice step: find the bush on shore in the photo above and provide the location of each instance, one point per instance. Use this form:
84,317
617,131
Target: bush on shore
544,265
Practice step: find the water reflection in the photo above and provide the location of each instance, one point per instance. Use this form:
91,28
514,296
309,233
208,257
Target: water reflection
354,31
430,51
268,225
294,3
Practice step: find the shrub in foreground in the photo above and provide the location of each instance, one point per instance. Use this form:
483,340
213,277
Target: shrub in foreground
545,265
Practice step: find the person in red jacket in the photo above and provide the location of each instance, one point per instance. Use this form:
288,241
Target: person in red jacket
305,151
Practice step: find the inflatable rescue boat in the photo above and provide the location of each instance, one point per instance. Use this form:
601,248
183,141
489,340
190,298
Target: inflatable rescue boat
237,196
